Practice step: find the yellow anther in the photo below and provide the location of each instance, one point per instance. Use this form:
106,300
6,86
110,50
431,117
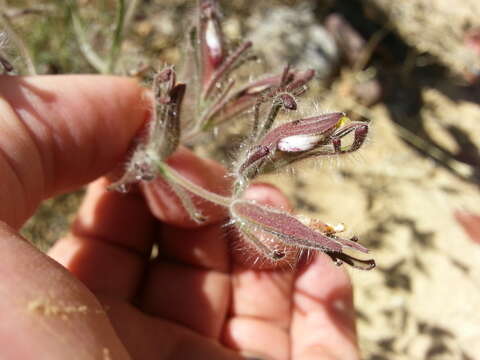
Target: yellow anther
342,121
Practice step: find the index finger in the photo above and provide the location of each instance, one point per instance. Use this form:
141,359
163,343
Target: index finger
323,318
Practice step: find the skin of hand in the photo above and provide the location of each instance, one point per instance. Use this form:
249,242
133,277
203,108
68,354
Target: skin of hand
110,300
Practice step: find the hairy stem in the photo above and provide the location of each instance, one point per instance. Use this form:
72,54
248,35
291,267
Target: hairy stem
178,179
187,202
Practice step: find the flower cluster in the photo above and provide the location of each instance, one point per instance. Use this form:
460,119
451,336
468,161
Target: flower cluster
211,99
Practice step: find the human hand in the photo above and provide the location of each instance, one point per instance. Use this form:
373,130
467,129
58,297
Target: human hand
196,300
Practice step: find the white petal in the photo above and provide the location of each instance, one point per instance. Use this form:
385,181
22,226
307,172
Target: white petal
212,38
298,142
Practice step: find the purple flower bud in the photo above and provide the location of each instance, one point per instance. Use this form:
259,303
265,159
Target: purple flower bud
300,79
242,99
212,34
210,37
288,101
262,91
259,153
256,219
213,42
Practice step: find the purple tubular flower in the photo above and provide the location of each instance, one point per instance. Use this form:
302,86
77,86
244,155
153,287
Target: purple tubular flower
255,219
321,126
295,136
162,135
329,145
164,130
302,139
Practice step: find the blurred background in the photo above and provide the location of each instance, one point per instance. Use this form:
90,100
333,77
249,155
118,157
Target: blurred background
411,68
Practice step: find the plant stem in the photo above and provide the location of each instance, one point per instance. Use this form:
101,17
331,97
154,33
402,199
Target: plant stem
87,51
130,13
117,36
178,179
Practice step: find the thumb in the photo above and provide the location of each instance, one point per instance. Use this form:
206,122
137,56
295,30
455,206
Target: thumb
46,312
59,132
